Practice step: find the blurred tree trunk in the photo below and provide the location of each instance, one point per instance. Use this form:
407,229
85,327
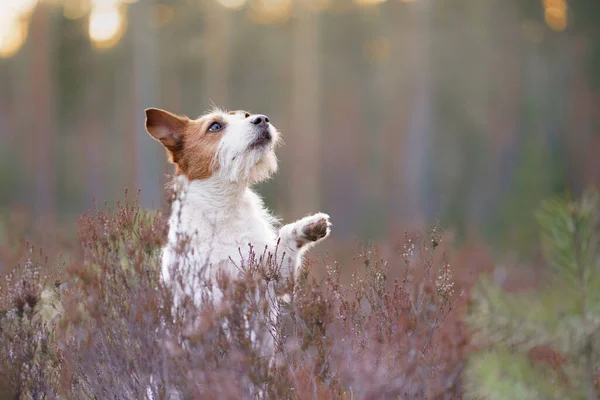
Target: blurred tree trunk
397,103
583,117
123,110
92,130
148,159
8,110
506,80
216,53
341,165
42,113
304,140
417,146
478,194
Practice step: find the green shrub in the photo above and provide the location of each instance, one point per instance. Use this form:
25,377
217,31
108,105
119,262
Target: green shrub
558,321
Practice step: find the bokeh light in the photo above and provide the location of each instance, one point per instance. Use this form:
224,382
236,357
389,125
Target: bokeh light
555,14
13,33
21,7
107,23
369,2
106,26
105,4
14,23
232,4
556,19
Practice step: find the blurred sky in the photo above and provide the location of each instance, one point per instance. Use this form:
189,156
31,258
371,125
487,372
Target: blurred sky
393,112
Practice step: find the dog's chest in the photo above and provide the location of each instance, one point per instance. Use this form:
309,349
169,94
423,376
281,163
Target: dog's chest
224,229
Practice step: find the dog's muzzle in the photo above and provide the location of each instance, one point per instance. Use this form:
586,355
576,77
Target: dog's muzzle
263,138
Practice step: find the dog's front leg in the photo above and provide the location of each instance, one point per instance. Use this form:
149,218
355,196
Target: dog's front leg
298,237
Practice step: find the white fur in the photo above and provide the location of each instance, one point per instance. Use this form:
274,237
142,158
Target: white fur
225,221
236,163
224,218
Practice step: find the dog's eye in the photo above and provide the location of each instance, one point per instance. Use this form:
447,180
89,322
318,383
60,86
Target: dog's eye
246,115
215,127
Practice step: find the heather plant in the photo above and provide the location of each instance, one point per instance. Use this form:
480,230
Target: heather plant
544,343
110,328
30,363
398,341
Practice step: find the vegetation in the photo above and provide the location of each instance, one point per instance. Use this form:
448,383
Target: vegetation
544,343
106,328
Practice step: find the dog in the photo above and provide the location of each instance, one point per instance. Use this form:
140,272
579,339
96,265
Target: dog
217,158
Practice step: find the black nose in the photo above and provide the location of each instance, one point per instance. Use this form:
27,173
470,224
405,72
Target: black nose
260,120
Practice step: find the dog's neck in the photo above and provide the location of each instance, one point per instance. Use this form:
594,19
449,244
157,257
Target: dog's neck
213,194
216,207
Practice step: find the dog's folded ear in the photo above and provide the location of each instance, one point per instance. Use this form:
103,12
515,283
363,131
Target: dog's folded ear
165,127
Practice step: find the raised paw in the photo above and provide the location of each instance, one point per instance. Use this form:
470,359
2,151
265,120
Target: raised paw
314,227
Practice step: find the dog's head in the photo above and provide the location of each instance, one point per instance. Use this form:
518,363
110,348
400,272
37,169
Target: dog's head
235,146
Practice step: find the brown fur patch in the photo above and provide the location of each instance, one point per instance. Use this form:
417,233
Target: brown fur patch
165,127
196,157
190,146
